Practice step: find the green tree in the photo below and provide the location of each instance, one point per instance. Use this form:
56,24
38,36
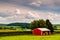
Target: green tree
38,24
50,26
42,23
34,24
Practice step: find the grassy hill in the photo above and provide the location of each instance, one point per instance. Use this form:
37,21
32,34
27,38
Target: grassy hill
20,24
3,24
56,24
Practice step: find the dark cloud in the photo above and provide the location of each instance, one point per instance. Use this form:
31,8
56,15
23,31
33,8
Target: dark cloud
4,15
48,3
16,2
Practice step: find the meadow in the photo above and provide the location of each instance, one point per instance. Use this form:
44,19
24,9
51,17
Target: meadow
31,37
55,36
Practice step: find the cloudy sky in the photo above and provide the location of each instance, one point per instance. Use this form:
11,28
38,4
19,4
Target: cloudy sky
29,10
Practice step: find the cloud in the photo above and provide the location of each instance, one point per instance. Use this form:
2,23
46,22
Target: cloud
36,3
22,10
3,20
53,16
23,14
51,3
27,15
18,11
34,14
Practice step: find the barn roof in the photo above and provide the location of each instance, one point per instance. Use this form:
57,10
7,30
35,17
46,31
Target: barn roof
43,29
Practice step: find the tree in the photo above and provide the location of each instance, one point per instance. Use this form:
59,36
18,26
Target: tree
48,23
38,24
42,23
55,27
34,24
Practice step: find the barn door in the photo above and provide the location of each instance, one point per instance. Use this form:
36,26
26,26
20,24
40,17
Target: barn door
45,33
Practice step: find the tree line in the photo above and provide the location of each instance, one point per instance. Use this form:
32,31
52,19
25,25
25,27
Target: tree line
42,24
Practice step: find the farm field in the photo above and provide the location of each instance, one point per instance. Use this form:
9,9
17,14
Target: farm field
8,30
55,36
57,30
31,37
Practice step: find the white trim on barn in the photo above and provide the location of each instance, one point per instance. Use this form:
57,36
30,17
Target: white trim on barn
43,29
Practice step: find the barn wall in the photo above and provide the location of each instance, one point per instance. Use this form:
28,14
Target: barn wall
37,32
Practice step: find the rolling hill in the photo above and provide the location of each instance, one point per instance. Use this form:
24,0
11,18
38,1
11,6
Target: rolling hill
20,24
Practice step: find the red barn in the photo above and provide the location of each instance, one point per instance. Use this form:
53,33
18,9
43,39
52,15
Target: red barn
41,31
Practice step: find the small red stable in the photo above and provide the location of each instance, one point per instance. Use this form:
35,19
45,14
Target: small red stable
41,31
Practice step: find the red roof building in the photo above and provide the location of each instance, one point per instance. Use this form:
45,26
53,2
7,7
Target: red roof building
41,31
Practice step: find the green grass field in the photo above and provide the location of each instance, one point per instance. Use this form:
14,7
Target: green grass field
31,37
57,30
